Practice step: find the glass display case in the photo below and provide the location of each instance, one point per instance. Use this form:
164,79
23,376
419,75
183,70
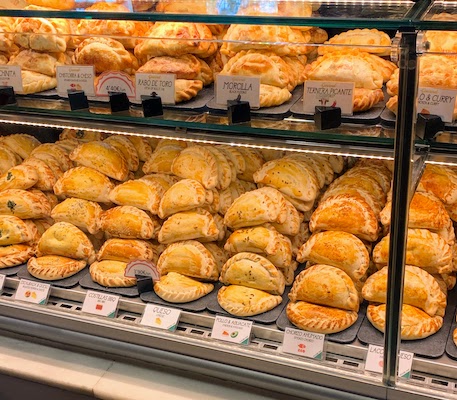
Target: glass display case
357,172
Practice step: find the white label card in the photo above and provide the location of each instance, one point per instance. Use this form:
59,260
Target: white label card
32,292
115,81
2,282
142,267
229,87
161,317
436,101
303,343
161,84
10,75
375,361
79,77
232,330
102,304
328,94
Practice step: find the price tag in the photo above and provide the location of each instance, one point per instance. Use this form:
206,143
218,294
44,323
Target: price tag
32,292
142,267
79,77
161,317
102,304
328,94
115,81
10,75
436,101
162,84
2,282
229,87
232,330
375,361
303,343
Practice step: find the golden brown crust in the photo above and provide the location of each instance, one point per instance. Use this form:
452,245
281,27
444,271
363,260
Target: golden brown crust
20,143
82,213
137,193
34,82
127,250
51,268
441,181
186,66
177,288
19,177
110,273
161,159
24,204
271,96
14,230
127,149
187,89
15,254
55,4
54,151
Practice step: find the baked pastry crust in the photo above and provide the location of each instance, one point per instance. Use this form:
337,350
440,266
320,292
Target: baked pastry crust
189,258
129,222
325,285
271,96
161,159
127,149
15,254
110,273
19,177
254,271
14,230
319,319
20,143
84,214
142,147
224,169
235,156
339,249
441,181
51,268
47,176
415,323
186,89
84,183
24,204
35,61
65,239
46,150
186,66
177,288
127,250
253,161
34,82
138,193
420,290
243,301
365,99
7,159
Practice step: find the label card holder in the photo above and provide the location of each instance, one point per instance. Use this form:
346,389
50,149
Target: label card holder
230,87
232,330
375,361
328,94
160,317
303,343
32,292
101,304
75,78
163,85
436,101
10,75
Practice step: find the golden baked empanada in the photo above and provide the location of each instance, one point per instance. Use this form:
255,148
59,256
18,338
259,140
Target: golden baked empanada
142,147
47,176
196,224
415,323
51,149
223,167
110,273
15,254
19,177
24,204
271,96
325,285
82,213
291,226
320,319
20,143
339,249
300,238
81,135
441,181
65,239
361,181
162,159
127,250
7,159
235,156
162,182
381,175
127,149
177,288
137,193
219,255
253,161
420,290
103,157
34,82
51,268
188,258
185,66
243,301
424,249
35,61
14,230
319,167
129,222
254,271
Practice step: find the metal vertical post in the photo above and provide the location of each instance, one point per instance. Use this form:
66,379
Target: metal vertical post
404,144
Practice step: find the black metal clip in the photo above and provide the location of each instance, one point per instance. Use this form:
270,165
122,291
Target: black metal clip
152,105
7,96
118,102
78,100
428,125
144,283
239,111
327,117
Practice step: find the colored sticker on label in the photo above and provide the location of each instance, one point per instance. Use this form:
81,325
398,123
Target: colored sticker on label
232,330
32,292
328,94
80,77
101,304
161,317
303,343
10,75
162,85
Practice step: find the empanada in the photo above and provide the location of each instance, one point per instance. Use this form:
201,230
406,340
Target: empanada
339,249
82,213
254,271
441,181
7,158
420,290
127,149
219,255
51,268
235,156
325,285
142,147
15,254
224,174
51,149
162,159
47,176
415,323
271,96
243,301
137,193
24,204
14,230
291,226
20,143
34,82
19,177
127,250
177,288
185,66
382,175
253,161
320,319
110,273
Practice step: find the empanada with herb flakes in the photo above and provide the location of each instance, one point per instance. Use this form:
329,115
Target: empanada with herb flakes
137,193
19,177
177,288
14,230
110,273
15,254
24,204
52,268
82,213
127,250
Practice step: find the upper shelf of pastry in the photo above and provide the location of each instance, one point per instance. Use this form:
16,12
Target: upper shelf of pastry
380,14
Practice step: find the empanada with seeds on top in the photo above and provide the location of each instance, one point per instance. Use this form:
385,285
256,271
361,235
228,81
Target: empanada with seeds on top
380,175
127,250
65,239
102,157
196,224
15,254
420,290
129,222
82,213
365,182
320,319
162,159
188,258
415,323
51,268
356,193
126,148
137,193
339,249
19,177
254,271
177,288
14,230
84,183
24,204
110,273
20,143
243,301
327,286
